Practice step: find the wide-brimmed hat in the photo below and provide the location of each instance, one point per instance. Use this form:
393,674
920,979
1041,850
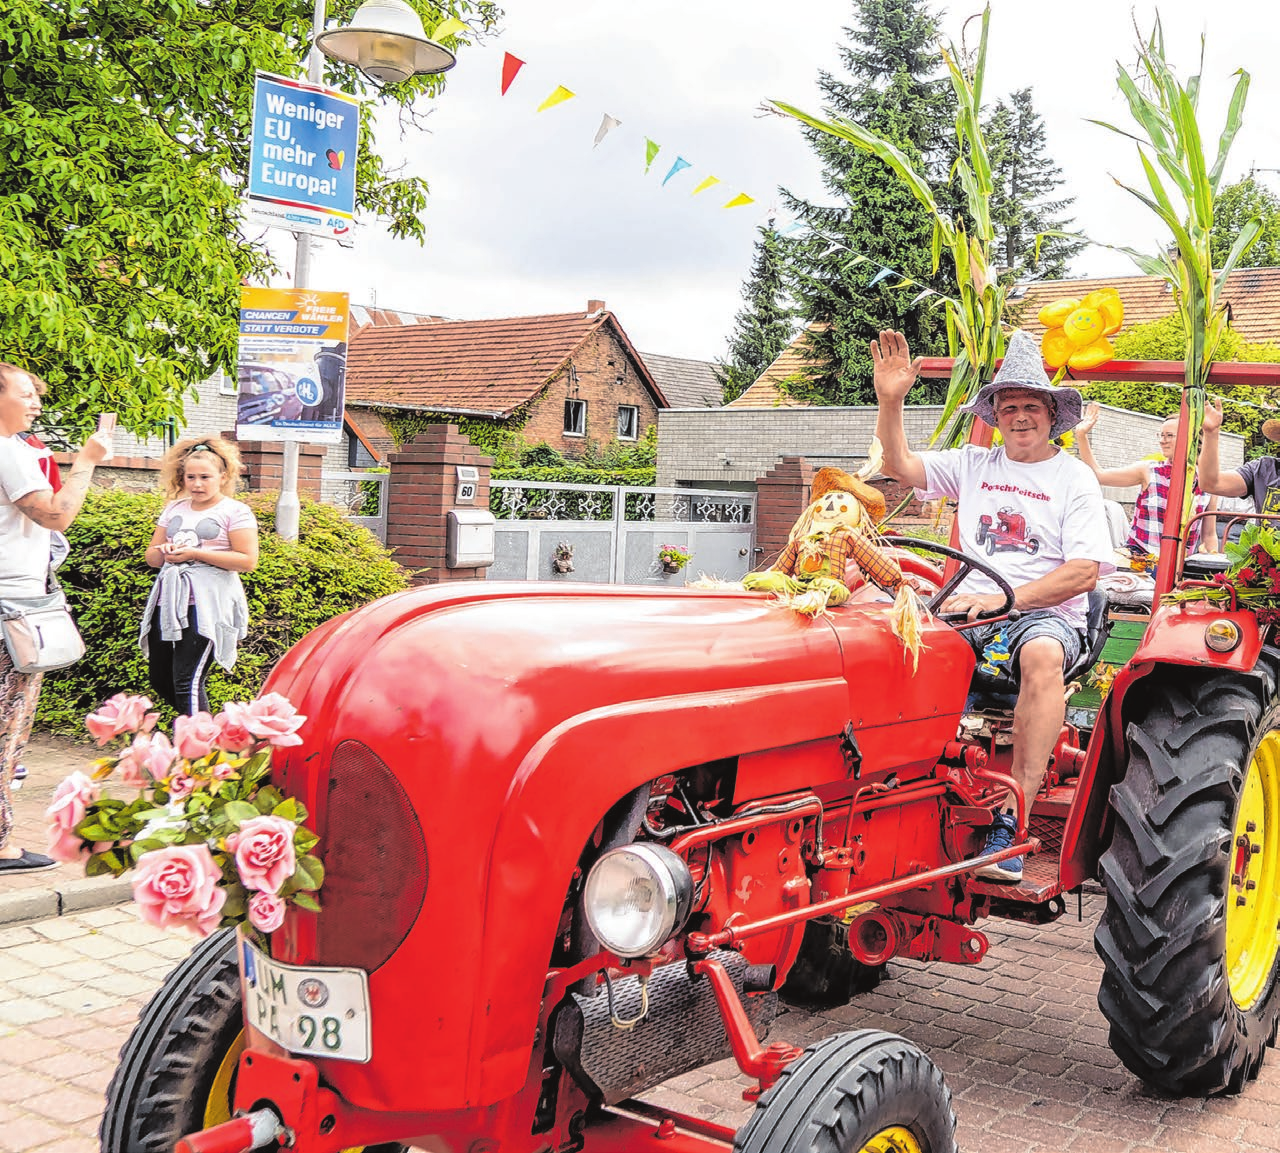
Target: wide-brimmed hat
1271,430
1023,368
827,479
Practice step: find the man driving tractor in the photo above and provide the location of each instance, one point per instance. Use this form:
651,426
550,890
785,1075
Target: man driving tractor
1058,498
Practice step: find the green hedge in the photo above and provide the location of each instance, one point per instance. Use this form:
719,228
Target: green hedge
334,566
573,474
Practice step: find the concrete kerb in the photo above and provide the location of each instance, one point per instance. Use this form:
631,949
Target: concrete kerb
74,896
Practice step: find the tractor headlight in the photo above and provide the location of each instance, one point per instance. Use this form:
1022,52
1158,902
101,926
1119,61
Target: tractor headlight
1222,636
636,897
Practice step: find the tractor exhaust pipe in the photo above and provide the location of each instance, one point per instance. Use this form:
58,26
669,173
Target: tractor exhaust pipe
682,1030
254,1130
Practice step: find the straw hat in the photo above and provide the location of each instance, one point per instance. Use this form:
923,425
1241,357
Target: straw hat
1271,430
830,479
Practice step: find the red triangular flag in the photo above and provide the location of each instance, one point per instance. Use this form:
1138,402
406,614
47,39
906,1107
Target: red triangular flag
510,66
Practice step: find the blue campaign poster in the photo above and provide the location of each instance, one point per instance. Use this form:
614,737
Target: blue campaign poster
302,165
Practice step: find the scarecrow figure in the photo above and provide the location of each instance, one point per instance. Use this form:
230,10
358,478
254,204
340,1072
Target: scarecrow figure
833,548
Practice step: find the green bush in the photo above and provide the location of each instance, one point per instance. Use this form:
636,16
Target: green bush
334,566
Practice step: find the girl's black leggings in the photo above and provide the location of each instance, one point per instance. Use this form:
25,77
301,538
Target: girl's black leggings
179,669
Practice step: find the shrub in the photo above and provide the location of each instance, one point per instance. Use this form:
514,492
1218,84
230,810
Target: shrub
333,567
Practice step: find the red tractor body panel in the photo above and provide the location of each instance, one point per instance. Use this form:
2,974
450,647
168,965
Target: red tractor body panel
528,710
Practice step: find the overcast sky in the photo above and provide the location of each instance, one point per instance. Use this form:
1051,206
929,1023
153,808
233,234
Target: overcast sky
526,217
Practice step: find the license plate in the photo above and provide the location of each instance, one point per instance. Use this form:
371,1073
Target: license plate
312,1011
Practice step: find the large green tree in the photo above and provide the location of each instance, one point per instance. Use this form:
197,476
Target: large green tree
1233,208
764,327
124,129
1023,204
892,57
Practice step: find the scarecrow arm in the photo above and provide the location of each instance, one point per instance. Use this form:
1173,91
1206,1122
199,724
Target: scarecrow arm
882,569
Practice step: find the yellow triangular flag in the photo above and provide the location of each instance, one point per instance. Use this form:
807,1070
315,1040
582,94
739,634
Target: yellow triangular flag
450,27
739,200
710,180
559,96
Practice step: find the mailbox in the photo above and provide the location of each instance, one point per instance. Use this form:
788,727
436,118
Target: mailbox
469,541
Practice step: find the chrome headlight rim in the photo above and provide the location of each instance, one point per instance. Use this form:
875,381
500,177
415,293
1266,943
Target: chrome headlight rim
670,875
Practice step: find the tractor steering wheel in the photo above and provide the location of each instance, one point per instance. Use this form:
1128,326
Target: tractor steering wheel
967,565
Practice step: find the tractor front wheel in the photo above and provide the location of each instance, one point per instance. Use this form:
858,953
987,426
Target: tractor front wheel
859,1092
1188,937
177,1069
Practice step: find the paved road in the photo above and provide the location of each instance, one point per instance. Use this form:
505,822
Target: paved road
1019,1037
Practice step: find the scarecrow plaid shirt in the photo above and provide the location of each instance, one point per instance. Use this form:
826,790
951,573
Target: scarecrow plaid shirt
1148,512
825,555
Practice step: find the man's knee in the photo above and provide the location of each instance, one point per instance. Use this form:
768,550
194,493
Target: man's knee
1040,661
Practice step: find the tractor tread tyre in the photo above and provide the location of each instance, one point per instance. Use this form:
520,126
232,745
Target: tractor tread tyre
167,1065
1162,935
846,1089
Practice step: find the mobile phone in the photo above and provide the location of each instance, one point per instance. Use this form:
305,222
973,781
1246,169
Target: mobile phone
106,422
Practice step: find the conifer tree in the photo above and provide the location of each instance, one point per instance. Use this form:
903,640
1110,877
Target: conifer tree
764,327
1023,205
891,56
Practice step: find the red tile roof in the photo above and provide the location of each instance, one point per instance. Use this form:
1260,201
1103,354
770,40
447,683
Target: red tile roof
791,361
480,366
1252,293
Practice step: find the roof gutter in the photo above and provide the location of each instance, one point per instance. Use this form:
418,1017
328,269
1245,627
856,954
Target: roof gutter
430,408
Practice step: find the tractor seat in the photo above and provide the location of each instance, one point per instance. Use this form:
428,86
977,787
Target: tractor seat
988,694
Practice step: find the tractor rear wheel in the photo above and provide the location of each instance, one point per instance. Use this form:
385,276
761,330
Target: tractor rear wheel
859,1092
177,1069
1188,937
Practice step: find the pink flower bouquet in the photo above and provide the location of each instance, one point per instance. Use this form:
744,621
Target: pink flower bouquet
210,840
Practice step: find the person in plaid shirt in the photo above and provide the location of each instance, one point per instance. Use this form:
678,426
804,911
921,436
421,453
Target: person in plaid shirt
1153,498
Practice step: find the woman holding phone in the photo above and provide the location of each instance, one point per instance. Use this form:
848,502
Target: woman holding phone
197,612
30,513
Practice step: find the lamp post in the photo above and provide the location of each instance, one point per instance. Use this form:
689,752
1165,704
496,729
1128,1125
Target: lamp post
386,41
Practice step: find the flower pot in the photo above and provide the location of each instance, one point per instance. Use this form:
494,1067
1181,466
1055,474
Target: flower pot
670,566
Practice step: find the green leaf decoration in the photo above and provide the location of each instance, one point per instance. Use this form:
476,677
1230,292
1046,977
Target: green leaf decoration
310,873
306,901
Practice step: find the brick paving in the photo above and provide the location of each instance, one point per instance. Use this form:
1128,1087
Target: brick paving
1019,1037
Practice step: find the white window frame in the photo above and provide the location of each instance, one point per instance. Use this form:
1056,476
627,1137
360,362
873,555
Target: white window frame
227,385
580,425
634,409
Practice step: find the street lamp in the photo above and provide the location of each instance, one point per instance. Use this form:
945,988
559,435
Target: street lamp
386,41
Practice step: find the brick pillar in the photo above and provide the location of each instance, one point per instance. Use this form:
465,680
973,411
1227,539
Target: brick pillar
782,494
264,465
420,493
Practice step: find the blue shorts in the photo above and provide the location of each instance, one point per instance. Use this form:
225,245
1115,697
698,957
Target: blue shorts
1014,634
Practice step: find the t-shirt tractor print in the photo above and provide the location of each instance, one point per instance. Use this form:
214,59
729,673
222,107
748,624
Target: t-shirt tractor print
1008,533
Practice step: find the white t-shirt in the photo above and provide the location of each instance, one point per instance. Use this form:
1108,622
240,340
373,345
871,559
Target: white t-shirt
1027,519
209,528
24,545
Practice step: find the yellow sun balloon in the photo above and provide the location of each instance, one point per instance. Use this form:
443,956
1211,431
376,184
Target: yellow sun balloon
1077,330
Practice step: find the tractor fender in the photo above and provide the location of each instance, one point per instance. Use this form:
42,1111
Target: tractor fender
1175,637
539,837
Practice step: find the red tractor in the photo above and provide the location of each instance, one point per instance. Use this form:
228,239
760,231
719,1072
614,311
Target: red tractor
578,839
1008,533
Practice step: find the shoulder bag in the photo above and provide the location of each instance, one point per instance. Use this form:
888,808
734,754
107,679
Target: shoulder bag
39,633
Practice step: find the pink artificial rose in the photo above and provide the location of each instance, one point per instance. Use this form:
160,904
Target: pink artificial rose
123,713
271,718
266,912
222,771
195,736
70,800
64,845
149,758
232,735
179,886
264,852
181,786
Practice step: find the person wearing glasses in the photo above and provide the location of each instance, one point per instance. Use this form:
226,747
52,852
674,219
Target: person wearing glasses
197,612
1154,476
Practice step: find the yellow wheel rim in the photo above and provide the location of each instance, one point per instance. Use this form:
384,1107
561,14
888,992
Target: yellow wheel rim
217,1108
895,1139
1253,889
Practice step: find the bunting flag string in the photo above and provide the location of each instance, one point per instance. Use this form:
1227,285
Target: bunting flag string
883,271
739,200
607,125
510,66
448,27
651,151
709,182
559,96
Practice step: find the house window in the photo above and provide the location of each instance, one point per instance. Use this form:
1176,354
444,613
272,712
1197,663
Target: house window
628,421
575,418
357,455
227,385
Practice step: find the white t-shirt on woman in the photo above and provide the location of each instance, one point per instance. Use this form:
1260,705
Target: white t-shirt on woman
24,545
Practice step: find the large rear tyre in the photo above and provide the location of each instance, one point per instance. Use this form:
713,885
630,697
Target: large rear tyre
177,1069
1188,937
859,1092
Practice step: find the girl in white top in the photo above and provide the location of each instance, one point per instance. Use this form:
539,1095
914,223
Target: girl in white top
204,540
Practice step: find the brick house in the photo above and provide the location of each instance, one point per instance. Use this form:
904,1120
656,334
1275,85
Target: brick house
575,378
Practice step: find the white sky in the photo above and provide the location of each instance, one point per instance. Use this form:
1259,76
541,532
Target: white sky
525,217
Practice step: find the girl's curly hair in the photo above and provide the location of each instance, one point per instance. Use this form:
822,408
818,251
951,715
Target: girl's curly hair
223,452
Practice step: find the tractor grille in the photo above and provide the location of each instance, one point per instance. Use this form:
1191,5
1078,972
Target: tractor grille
375,861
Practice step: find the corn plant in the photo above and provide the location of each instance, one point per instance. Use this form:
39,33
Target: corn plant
975,336
1165,112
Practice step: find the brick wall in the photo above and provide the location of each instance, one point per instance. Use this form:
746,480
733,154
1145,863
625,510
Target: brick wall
421,491
605,376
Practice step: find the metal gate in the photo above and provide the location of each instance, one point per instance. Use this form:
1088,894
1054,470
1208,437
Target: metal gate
613,534
362,494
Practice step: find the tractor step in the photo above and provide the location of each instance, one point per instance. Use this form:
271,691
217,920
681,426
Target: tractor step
1040,882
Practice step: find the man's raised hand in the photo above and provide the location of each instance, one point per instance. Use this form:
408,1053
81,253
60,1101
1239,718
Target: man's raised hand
895,371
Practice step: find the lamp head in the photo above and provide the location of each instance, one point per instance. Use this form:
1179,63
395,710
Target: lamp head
386,41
